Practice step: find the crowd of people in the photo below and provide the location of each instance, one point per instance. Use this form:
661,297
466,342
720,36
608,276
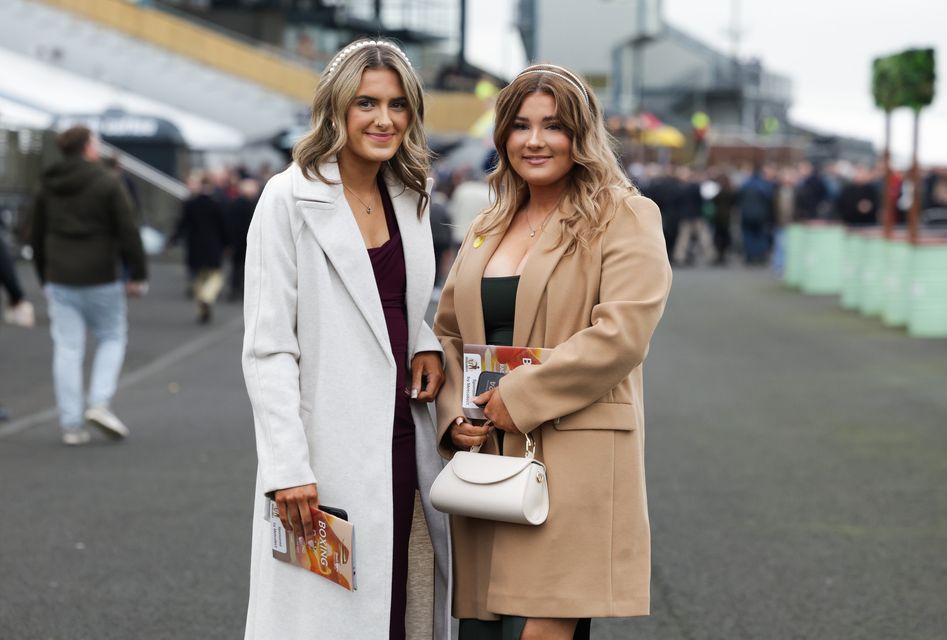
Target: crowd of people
708,213
213,229
724,212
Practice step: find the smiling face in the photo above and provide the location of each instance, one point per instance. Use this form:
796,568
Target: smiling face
377,119
539,148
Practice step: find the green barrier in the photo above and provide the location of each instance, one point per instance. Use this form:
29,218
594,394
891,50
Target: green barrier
927,313
851,269
872,280
795,255
824,255
895,286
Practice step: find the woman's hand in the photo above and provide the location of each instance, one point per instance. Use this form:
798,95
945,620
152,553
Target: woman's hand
426,364
294,504
465,435
494,409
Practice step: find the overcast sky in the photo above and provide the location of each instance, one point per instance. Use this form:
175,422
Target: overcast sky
824,46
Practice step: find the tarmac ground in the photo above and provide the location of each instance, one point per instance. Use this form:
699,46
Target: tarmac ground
797,475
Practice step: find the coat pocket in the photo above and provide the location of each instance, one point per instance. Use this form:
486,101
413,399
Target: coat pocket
614,416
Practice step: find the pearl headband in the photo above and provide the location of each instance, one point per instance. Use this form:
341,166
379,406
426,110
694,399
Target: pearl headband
341,55
571,78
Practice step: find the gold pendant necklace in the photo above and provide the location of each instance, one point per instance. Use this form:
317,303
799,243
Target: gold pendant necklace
368,209
532,231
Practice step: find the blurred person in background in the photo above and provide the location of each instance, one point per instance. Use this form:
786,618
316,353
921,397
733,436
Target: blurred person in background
469,198
755,201
813,198
339,363
83,229
18,310
858,200
239,216
662,187
113,163
784,205
692,224
935,189
442,236
722,218
570,257
836,175
935,202
203,228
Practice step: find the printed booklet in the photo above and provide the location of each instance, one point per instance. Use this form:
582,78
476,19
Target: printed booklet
485,364
329,554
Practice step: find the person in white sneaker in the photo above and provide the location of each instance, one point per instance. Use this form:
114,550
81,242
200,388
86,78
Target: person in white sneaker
83,229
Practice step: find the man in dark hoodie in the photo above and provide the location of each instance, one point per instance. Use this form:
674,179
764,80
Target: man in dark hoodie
84,229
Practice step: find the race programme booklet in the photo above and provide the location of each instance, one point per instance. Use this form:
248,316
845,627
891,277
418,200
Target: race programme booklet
485,364
330,553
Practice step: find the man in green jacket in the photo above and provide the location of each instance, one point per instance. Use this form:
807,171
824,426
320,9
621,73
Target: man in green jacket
84,229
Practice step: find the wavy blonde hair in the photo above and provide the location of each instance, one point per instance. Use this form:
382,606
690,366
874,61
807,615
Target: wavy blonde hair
598,186
336,92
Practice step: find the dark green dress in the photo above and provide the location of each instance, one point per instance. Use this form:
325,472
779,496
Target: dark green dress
498,298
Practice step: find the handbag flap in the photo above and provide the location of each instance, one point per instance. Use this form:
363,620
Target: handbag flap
484,468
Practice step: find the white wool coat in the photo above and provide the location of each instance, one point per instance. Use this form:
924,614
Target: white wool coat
321,379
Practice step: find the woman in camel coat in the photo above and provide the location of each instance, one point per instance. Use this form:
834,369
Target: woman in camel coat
581,259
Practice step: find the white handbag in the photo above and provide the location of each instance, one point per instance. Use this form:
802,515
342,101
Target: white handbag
493,487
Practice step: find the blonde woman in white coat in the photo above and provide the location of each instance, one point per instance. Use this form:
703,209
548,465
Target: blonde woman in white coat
338,360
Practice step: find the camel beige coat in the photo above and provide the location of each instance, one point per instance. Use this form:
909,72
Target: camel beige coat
598,308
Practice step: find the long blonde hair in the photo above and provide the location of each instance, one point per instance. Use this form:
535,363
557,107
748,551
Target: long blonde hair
598,183
334,95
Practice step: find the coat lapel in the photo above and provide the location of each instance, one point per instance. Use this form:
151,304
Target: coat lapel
329,218
418,254
469,307
539,267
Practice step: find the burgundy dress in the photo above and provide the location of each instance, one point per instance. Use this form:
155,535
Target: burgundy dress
388,265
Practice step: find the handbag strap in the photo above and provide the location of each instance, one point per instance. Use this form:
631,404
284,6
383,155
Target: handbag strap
530,447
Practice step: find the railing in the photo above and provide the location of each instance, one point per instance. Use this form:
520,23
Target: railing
159,195
146,172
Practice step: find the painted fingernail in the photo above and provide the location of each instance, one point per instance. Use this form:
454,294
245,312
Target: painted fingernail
414,393
459,421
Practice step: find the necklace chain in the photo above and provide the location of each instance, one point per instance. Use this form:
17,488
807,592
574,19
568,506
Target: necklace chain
532,231
368,209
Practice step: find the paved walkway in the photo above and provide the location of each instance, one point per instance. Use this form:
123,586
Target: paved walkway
797,459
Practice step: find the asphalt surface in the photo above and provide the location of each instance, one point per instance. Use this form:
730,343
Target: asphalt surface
797,469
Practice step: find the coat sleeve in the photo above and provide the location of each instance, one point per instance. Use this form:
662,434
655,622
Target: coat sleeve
448,332
634,285
270,344
427,341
